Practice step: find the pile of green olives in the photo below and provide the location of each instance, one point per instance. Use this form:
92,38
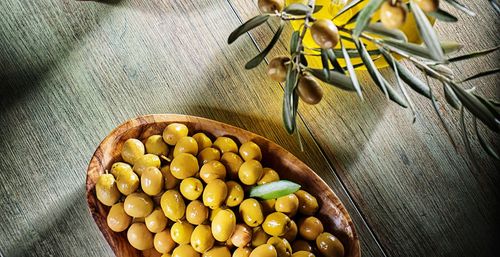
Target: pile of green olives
182,195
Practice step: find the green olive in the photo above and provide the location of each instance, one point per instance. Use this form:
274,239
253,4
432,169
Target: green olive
181,232
428,5
232,162
268,206
250,151
173,205
271,6
184,165
250,172
155,145
117,219
191,188
185,251
288,204
308,205
145,161
225,144
277,68
202,239
212,170
138,205
119,167
265,250
251,212
170,181
140,237
242,252
156,221
242,235
152,181
106,190
329,245
393,16
259,237
309,90
303,254
291,234
223,225
301,245
196,212
235,194
173,132
268,175
163,241
131,150
186,145
325,33
276,224
213,213
208,154
203,140
126,179
310,228
215,194
218,251
282,246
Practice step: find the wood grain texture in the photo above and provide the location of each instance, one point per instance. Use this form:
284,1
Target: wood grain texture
71,71
418,194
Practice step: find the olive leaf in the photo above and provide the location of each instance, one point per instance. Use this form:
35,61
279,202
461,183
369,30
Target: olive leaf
297,9
481,74
410,48
403,90
427,33
438,113
450,47
379,29
353,53
461,7
260,57
274,189
317,8
352,72
347,7
365,15
484,144
247,26
450,96
465,137
443,15
290,100
324,62
333,60
334,78
491,105
474,54
294,42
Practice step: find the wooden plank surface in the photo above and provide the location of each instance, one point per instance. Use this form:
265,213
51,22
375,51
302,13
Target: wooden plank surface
417,193
72,71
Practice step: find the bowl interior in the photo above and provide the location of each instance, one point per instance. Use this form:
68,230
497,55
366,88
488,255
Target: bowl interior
332,212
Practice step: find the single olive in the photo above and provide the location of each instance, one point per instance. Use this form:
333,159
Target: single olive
170,182
126,179
428,5
118,167
181,232
393,16
242,235
309,90
173,132
186,145
329,245
131,150
213,213
208,154
271,6
265,250
259,236
218,251
282,246
152,181
268,206
106,190
140,237
191,188
212,170
250,172
203,140
291,234
250,151
268,175
173,205
184,166
215,194
276,224
145,161
242,252
117,219
232,162
301,245
156,221
235,194
138,205
310,228
303,254
251,212
155,145
163,241
288,204
277,69
325,33
308,205
196,212
225,144
223,225
185,251
202,239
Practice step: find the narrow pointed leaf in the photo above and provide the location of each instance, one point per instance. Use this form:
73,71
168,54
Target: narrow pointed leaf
491,105
443,15
274,189
290,100
481,74
427,33
334,78
324,62
365,16
403,90
260,57
297,9
410,48
379,29
247,26
450,96
353,53
465,137
484,144
347,7
352,72
438,113
450,47
334,62
461,7
294,42
474,54
317,8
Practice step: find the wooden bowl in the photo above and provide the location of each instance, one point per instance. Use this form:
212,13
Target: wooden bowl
332,212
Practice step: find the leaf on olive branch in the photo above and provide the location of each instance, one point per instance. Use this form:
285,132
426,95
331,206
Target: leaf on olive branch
333,60
491,105
465,137
347,7
247,26
484,144
450,96
427,32
379,29
438,113
450,47
324,62
333,78
290,99
365,16
481,74
410,48
474,54
352,72
294,42
443,15
461,7
403,89
260,57
297,9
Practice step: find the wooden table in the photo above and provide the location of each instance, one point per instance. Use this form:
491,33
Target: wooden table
72,71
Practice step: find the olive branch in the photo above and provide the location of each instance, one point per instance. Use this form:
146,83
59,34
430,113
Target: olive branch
430,57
